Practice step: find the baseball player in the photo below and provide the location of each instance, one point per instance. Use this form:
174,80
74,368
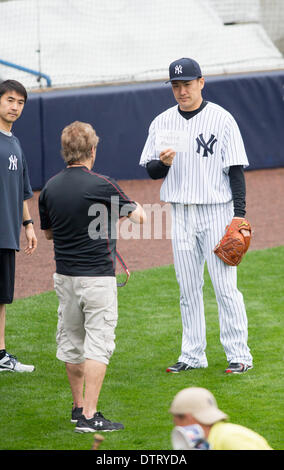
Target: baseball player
196,146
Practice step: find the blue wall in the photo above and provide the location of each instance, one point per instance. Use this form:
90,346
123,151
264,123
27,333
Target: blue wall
122,114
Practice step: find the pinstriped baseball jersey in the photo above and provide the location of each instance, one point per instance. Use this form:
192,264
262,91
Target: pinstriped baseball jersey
206,146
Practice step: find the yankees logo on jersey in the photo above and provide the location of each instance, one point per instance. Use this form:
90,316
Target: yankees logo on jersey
207,146
194,178
13,163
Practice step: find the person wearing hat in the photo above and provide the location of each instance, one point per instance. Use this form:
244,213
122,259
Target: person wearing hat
197,419
197,149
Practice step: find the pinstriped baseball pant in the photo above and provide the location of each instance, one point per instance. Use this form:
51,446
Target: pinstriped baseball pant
196,229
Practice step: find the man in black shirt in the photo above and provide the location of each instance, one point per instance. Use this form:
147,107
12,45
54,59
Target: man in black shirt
15,190
79,210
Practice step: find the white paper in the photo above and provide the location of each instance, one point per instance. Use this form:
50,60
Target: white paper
176,140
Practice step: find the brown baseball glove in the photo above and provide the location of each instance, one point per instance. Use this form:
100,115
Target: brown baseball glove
234,245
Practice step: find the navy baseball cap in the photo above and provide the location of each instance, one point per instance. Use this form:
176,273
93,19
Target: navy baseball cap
184,69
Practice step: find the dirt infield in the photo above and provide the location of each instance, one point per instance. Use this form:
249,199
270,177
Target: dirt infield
265,211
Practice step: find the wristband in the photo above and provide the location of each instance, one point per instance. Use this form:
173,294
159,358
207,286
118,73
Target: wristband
27,222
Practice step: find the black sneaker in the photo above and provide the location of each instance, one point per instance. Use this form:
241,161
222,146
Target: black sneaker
178,367
76,414
97,423
237,368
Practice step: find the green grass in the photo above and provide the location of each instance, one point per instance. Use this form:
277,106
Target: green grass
35,408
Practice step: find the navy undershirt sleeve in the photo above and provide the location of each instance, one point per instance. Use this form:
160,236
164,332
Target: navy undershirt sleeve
238,187
157,169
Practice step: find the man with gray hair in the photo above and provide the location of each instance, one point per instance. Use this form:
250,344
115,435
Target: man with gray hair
78,210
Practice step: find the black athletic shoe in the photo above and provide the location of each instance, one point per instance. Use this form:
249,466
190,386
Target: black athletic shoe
97,423
76,414
178,367
237,368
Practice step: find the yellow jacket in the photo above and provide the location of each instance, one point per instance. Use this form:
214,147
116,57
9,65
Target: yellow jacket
227,436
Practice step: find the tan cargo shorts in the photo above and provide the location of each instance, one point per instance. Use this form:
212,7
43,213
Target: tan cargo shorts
87,318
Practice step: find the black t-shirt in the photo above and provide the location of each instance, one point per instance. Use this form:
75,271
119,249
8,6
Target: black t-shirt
82,209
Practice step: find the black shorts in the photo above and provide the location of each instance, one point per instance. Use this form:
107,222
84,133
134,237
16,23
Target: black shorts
7,275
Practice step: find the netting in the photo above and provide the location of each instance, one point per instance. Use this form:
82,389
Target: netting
88,42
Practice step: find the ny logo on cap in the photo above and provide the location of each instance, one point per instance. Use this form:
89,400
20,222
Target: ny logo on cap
178,69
